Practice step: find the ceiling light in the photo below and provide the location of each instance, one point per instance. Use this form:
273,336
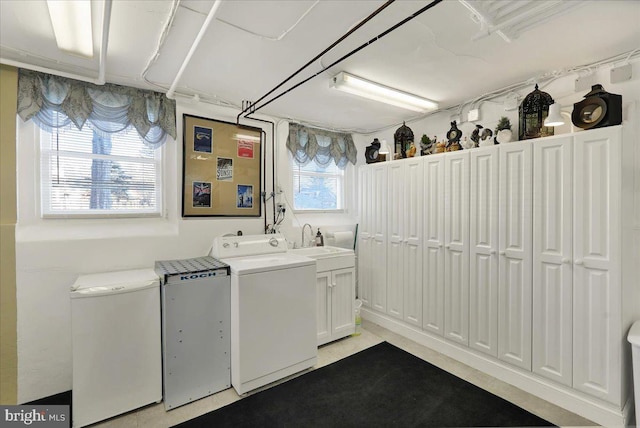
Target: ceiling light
71,21
555,117
374,91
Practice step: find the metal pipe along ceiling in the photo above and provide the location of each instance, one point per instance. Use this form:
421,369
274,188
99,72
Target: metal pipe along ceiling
253,108
194,46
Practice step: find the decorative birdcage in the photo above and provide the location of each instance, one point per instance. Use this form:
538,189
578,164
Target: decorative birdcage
532,113
402,138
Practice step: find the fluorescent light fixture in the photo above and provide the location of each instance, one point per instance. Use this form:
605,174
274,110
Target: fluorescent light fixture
374,91
555,117
71,21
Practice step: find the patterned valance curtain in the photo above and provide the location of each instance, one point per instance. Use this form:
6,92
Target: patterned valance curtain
57,102
313,144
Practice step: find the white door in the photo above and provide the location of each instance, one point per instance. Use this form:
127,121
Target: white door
379,242
413,185
456,260
342,302
597,334
395,247
552,251
515,255
323,302
433,251
483,257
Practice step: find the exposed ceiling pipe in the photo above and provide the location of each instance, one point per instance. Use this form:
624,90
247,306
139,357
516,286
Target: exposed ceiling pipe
255,107
196,42
344,36
104,42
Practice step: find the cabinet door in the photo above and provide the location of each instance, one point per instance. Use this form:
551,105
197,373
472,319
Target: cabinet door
433,250
342,302
379,241
456,260
597,329
552,248
515,254
413,184
395,247
483,249
323,307
365,235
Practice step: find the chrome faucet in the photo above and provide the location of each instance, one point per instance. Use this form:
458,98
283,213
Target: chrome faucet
310,228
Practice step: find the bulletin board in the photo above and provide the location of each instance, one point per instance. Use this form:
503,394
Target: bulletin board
221,168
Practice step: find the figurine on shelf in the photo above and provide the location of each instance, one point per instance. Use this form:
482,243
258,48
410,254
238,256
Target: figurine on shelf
411,151
426,145
454,134
467,143
485,138
475,136
440,147
401,138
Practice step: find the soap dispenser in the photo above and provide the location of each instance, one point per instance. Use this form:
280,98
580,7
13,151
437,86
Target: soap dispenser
319,239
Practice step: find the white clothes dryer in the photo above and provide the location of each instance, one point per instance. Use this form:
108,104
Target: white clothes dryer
273,309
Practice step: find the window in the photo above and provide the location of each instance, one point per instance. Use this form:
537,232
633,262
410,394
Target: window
85,174
317,188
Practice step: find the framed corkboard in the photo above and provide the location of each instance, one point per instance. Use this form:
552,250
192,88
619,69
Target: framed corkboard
221,168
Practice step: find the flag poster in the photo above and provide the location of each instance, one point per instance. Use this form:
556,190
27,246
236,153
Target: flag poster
245,196
201,194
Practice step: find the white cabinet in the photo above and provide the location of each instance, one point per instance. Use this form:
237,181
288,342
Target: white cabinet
378,257
395,246
456,235
529,257
433,249
515,254
597,244
404,250
372,245
552,253
335,296
365,236
483,251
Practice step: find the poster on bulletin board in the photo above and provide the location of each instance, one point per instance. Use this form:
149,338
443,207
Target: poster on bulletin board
221,168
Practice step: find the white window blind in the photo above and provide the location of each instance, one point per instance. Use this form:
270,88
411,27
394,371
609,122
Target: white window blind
89,176
317,188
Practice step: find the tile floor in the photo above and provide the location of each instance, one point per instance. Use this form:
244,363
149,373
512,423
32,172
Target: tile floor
372,334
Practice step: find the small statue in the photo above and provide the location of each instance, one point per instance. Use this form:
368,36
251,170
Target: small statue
485,138
402,137
475,136
411,152
426,145
454,134
440,147
467,144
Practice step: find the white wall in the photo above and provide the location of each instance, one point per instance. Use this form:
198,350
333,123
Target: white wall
52,253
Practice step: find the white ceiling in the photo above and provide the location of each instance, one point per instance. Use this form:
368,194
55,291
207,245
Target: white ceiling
252,46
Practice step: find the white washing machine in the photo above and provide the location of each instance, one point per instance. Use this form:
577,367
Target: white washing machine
273,309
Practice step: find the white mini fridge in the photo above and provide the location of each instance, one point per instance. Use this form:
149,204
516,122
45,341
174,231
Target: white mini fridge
117,351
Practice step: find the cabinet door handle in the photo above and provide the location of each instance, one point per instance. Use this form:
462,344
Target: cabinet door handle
492,251
331,284
579,262
447,246
502,253
439,245
566,260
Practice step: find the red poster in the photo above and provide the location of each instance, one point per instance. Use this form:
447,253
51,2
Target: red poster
245,149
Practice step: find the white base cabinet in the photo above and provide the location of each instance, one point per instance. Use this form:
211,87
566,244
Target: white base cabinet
336,294
529,262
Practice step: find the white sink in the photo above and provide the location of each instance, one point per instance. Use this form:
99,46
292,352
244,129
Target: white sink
328,258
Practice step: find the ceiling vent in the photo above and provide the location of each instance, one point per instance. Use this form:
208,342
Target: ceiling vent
510,18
